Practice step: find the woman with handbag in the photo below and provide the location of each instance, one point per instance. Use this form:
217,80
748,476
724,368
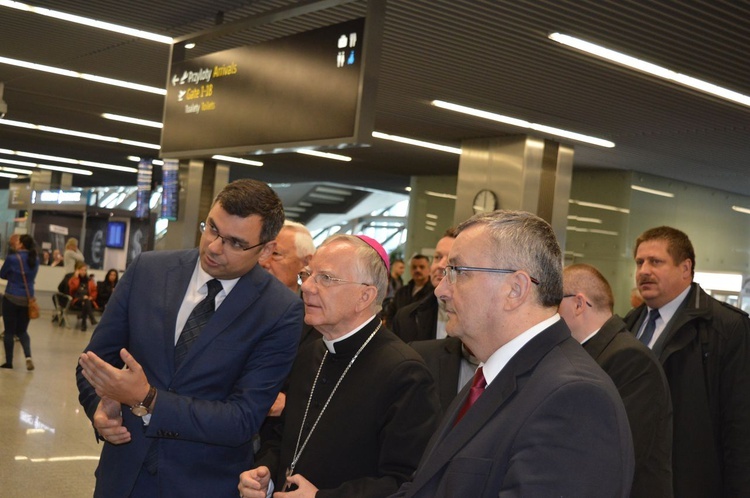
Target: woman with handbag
19,305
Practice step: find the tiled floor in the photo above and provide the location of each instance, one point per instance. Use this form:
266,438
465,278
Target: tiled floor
48,447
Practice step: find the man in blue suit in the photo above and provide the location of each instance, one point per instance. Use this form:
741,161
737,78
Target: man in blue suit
540,418
204,362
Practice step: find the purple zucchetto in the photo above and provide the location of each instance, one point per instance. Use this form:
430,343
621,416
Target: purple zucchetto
378,248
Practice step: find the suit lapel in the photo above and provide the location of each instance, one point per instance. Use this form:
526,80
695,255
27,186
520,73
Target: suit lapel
449,440
177,281
597,344
450,368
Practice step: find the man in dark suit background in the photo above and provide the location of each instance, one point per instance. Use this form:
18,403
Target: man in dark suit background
426,319
451,365
418,288
704,347
179,420
587,309
549,421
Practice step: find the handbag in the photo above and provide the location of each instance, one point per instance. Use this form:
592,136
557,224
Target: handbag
33,305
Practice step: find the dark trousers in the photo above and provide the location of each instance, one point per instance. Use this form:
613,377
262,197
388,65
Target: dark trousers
16,322
86,307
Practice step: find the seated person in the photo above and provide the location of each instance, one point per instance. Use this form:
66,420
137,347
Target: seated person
60,300
83,290
104,289
57,258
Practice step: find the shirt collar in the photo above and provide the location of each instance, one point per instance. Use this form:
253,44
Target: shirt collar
201,277
667,311
495,363
331,345
586,339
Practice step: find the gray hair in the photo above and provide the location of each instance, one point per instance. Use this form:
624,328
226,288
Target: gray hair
370,267
524,241
303,241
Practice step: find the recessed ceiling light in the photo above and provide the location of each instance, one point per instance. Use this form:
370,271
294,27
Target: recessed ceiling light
135,121
418,143
93,23
652,191
325,155
68,160
84,76
81,134
237,160
649,68
558,132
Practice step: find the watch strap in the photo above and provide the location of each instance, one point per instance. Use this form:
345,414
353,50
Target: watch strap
144,406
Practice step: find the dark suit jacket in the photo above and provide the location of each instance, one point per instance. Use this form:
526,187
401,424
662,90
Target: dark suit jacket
417,321
404,297
207,410
640,381
443,359
550,424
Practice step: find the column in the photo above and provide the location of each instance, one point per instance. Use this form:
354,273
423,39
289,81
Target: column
518,172
200,182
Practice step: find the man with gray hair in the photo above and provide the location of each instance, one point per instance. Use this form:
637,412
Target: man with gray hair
361,404
540,418
294,248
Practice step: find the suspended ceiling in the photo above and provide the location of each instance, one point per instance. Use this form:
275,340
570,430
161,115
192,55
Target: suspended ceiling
492,55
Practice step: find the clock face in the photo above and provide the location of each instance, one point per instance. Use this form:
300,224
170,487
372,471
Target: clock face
485,201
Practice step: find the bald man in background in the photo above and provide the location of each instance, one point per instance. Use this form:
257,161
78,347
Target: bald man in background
587,309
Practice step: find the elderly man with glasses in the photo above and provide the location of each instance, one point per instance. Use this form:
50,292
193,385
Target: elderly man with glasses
540,417
207,337
294,248
361,404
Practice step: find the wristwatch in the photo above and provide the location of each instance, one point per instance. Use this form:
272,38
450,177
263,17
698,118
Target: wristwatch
143,407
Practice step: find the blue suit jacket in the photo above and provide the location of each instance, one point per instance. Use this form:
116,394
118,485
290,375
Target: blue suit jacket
550,424
208,410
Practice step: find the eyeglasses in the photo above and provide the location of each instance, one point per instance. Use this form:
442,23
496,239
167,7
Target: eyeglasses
234,244
452,271
573,295
323,279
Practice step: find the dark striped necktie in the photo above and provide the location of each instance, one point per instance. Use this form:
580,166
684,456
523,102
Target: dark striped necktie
650,328
196,321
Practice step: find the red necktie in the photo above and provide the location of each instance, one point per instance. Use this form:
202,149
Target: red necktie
477,388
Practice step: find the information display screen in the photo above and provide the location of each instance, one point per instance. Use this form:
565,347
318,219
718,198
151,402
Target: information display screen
170,189
143,194
304,89
116,234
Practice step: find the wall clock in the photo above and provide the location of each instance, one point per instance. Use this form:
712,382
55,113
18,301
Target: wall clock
484,202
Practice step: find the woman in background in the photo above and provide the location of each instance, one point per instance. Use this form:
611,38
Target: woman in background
22,264
106,288
72,255
57,258
83,290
